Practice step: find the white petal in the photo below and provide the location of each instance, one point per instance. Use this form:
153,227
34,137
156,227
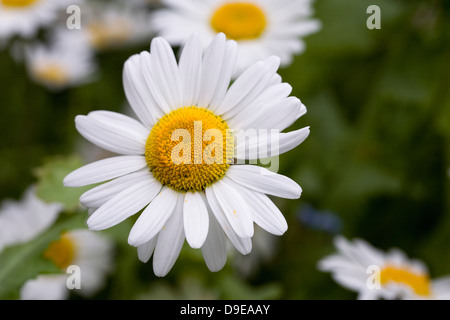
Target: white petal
94,249
214,249
117,120
285,48
248,87
370,254
138,93
145,251
441,288
243,245
164,69
262,180
278,116
170,241
269,144
152,82
297,29
235,208
195,218
103,170
334,263
269,103
190,67
186,6
218,63
45,287
21,221
151,221
289,112
226,72
124,205
241,87
264,212
350,280
346,248
96,197
288,10
114,132
367,294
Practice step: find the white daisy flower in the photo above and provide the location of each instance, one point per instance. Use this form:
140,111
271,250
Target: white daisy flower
45,287
21,221
67,61
85,249
115,25
24,220
25,17
375,274
192,199
262,27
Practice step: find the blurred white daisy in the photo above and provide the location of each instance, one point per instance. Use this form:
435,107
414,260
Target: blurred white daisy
115,25
67,61
24,220
375,274
25,17
196,199
262,27
85,249
21,221
263,249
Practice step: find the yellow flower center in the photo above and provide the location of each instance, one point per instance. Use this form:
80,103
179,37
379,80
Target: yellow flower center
239,21
61,252
104,34
52,74
419,283
189,149
17,3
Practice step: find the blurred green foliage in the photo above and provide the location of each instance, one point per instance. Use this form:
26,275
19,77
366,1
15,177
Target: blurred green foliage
377,156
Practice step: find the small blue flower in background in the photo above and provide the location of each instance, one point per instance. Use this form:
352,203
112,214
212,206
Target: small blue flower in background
326,221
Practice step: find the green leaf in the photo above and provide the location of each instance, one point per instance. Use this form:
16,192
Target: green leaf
23,262
50,187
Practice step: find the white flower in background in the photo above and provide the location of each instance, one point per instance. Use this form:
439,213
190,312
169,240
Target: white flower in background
21,221
114,26
200,201
262,27
375,274
263,249
45,287
24,220
25,17
89,251
67,61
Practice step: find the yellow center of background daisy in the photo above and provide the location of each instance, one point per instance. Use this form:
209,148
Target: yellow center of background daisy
189,149
51,73
239,21
17,3
419,283
61,252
